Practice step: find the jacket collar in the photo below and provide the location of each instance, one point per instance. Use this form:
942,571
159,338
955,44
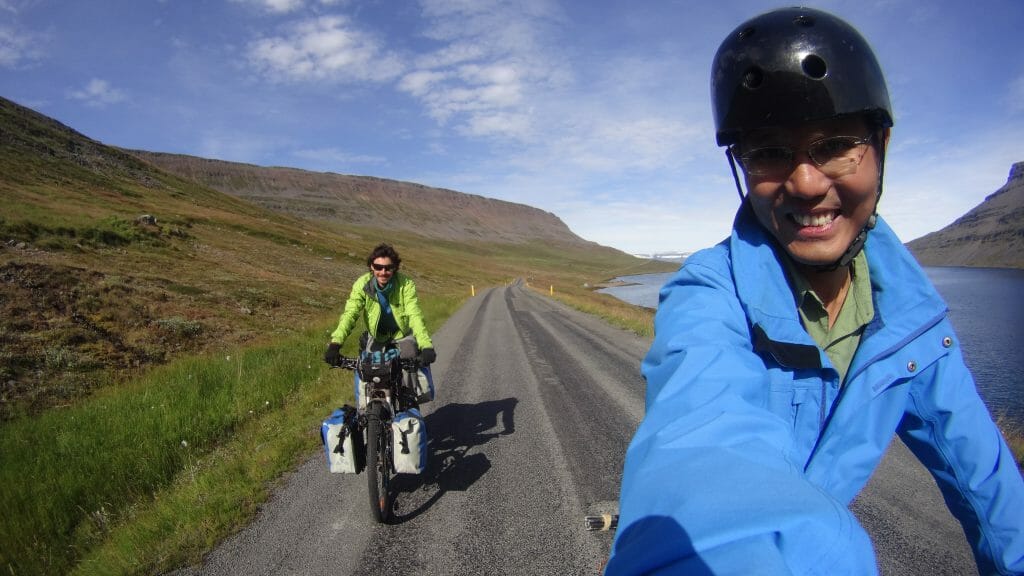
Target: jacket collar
764,290
905,300
371,284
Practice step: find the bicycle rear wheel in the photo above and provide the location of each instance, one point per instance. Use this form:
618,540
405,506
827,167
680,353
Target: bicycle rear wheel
378,461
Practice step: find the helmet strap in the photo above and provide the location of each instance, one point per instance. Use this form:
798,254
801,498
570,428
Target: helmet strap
735,175
858,243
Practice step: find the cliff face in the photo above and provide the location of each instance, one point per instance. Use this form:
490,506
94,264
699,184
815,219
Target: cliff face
372,202
990,235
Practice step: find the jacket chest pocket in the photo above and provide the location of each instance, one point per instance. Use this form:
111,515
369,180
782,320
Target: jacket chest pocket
800,406
792,403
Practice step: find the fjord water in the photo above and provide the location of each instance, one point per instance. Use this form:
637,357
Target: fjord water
985,307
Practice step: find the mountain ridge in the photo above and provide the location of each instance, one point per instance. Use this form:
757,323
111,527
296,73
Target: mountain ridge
989,235
371,201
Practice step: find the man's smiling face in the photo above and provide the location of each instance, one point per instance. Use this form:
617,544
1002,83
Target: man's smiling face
813,216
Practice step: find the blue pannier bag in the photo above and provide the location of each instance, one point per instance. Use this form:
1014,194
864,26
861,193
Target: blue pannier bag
343,441
409,439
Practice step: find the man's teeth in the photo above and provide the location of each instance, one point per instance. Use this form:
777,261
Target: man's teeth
814,219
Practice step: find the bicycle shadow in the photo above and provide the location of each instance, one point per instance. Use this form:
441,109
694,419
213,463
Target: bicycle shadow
454,430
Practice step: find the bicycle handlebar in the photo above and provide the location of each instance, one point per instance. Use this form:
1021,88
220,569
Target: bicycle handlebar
353,363
345,362
602,523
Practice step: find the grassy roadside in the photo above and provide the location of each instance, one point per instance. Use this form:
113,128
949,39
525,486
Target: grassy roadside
145,477
1013,432
636,319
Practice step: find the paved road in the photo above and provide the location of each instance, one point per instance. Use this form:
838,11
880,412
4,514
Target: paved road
536,405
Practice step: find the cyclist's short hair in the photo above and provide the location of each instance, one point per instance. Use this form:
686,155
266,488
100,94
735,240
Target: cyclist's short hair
384,251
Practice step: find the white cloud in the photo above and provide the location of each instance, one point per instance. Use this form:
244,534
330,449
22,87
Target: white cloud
18,48
607,143
275,6
98,93
420,82
492,67
327,48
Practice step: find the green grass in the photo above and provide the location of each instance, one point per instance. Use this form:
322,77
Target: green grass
1013,432
143,476
69,474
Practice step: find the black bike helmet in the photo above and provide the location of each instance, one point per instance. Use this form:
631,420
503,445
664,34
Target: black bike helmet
791,66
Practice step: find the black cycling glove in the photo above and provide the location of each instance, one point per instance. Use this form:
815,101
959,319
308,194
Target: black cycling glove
333,353
427,356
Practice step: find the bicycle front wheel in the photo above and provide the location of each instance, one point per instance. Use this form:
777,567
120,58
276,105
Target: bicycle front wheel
378,461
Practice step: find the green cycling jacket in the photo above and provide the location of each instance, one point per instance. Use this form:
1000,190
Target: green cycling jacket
405,307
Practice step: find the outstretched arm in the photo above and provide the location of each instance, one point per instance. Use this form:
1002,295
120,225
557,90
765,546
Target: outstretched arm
710,484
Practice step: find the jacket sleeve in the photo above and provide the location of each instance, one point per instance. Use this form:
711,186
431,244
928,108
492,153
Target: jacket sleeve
708,487
414,316
355,304
949,429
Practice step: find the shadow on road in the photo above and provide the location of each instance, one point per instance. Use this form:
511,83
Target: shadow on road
454,430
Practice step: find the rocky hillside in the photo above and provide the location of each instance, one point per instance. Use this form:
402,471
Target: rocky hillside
371,202
990,235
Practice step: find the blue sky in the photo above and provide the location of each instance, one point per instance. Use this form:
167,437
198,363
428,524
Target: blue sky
597,110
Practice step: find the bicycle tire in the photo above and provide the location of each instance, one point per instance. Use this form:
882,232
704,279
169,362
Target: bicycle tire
378,462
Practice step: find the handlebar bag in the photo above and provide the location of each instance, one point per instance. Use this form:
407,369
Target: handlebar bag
409,438
343,442
382,365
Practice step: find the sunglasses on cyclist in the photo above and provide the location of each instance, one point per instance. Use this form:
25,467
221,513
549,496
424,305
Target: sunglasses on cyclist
383,267
834,156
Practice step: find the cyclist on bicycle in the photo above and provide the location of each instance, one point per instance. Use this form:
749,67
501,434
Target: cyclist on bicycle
388,303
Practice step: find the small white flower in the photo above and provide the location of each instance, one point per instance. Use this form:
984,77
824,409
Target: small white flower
184,444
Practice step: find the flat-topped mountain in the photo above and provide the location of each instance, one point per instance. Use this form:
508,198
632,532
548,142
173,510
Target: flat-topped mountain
371,202
990,235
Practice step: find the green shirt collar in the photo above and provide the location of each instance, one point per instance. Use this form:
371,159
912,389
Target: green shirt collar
841,341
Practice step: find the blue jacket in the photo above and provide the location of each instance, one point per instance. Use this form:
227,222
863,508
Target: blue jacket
750,451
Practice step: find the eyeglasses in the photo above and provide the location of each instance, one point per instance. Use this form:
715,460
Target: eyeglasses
834,156
383,267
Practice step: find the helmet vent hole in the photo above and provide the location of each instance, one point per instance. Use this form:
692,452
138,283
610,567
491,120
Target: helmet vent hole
814,67
753,78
